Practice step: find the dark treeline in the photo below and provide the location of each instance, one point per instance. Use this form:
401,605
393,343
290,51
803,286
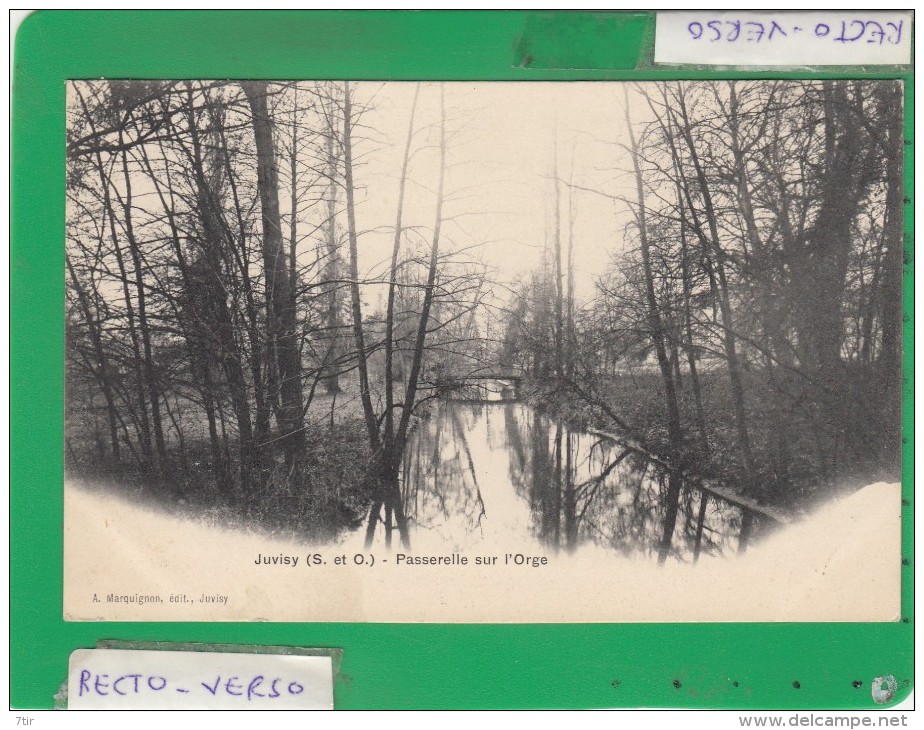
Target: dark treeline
748,332
237,337
219,317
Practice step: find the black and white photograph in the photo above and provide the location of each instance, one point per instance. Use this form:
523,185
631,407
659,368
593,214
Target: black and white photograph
483,351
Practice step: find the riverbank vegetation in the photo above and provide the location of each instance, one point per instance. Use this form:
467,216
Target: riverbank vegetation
226,340
266,292
750,329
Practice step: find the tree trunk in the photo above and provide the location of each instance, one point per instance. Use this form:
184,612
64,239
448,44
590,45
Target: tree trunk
420,342
254,334
890,357
829,242
372,427
331,365
101,371
688,342
559,325
656,327
215,246
392,283
137,364
160,451
278,281
729,337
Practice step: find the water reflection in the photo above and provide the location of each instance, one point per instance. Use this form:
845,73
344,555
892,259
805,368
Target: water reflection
478,474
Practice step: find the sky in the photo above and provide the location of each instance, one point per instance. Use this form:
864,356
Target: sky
502,140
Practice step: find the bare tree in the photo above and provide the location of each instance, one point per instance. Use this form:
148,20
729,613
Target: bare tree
281,313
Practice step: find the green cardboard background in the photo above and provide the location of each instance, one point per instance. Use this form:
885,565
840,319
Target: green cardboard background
384,665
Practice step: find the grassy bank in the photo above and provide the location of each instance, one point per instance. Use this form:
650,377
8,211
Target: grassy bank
802,453
326,492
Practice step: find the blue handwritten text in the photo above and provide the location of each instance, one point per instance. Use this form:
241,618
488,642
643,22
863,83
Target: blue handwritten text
858,30
246,687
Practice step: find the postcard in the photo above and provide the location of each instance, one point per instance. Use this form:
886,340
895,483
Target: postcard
569,352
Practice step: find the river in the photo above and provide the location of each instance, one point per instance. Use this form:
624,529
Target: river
499,472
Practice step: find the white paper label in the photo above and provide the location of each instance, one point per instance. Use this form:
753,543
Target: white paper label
125,679
768,38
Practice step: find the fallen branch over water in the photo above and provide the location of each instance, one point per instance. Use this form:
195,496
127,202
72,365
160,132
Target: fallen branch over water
705,485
